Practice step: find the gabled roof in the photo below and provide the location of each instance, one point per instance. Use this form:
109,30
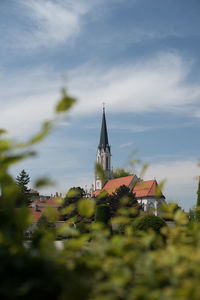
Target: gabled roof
146,189
103,143
112,185
141,189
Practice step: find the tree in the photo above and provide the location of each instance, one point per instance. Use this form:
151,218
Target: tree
117,173
94,265
22,181
197,210
191,214
144,223
102,213
123,196
73,195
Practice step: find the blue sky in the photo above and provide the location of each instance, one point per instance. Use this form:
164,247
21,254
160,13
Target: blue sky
141,57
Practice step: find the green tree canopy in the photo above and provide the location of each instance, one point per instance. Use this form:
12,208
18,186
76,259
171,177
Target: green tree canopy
73,195
102,213
123,196
197,210
144,223
22,181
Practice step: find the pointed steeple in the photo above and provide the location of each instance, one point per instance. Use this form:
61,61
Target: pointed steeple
103,143
103,154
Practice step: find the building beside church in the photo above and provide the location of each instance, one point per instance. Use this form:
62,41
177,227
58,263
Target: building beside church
146,192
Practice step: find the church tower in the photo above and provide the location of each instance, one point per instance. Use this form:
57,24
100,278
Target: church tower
103,154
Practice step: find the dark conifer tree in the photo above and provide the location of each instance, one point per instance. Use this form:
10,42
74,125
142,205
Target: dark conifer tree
22,181
197,211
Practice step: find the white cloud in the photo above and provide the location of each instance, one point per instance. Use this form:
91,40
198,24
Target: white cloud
126,145
181,184
159,84
52,22
27,99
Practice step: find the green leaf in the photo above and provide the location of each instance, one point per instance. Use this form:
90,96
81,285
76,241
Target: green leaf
10,160
144,168
43,182
46,127
5,145
86,207
159,188
68,209
99,171
3,131
51,214
65,103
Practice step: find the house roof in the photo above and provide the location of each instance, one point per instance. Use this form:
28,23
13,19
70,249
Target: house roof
146,189
141,189
48,202
51,202
112,185
36,214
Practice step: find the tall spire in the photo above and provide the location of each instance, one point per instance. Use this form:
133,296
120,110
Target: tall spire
103,143
103,154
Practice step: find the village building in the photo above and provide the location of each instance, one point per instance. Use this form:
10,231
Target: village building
38,207
146,192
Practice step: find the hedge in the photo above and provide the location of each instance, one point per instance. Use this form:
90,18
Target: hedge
149,221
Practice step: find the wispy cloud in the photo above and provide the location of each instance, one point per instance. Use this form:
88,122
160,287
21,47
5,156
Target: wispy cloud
159,84
181,184
126,145
132,127
52,22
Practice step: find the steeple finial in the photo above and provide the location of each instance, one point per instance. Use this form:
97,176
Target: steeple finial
104,106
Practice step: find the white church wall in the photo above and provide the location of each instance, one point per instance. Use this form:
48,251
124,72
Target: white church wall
151,204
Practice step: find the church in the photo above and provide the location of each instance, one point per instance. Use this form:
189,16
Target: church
146,192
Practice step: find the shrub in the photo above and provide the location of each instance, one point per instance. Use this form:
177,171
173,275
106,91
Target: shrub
102,213
95,265
149,221
83,227
197,214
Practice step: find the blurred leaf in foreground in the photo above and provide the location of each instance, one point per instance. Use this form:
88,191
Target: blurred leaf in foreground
65,103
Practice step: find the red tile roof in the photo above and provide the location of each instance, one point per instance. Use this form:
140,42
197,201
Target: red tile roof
52,202
36,214
48,202
112,185
146,189
141,189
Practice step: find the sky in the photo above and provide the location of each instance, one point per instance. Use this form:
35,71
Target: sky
140,57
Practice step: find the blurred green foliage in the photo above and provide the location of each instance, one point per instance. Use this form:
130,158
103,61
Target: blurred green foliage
96,263
149,221
102,213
